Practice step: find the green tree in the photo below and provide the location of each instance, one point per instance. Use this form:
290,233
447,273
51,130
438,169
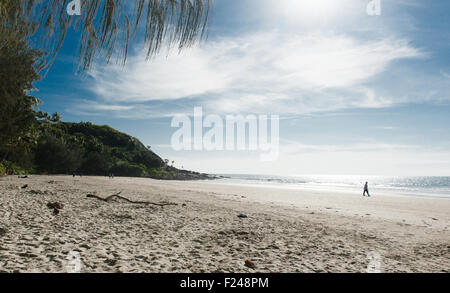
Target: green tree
56,156
18,71
55,117
96,163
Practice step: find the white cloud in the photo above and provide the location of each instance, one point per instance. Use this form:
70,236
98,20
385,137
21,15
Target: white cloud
258,73
160,79
445,74
134,111
96,106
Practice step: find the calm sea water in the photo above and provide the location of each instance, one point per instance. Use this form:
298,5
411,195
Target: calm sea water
404,185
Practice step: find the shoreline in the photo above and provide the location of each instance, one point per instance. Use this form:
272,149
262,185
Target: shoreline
286,231
272,181
354,191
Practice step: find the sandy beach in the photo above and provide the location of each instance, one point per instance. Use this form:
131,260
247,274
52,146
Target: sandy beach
200,231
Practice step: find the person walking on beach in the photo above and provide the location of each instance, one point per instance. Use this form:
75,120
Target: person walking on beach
366,189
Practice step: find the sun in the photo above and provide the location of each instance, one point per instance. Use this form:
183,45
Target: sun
309,10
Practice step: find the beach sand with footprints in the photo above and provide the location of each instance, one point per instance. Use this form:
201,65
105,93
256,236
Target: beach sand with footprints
174,226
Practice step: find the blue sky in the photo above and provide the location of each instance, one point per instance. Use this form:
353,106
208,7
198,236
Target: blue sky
356,94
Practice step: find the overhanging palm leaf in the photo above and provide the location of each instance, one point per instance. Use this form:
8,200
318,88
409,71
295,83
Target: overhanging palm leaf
108,26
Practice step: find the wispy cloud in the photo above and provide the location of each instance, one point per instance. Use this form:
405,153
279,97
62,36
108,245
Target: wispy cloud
130,111
264,72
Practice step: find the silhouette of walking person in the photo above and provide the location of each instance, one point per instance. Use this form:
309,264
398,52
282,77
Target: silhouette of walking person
366,189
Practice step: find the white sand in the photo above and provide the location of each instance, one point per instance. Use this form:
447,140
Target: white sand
287,230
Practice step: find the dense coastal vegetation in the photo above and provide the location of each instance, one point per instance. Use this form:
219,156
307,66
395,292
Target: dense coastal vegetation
56,147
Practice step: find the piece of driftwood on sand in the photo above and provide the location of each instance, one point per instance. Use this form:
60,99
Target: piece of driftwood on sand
117,195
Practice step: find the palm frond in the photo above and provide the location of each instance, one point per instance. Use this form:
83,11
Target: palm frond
108,27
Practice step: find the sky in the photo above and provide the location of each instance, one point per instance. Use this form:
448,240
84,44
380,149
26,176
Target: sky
356,94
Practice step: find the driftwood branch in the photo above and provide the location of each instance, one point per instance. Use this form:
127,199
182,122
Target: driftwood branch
117,195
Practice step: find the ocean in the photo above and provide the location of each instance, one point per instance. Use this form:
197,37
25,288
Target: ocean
434,186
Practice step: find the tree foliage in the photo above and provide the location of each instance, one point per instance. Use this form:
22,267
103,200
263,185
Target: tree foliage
108,26
56,156
18,71
92,150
